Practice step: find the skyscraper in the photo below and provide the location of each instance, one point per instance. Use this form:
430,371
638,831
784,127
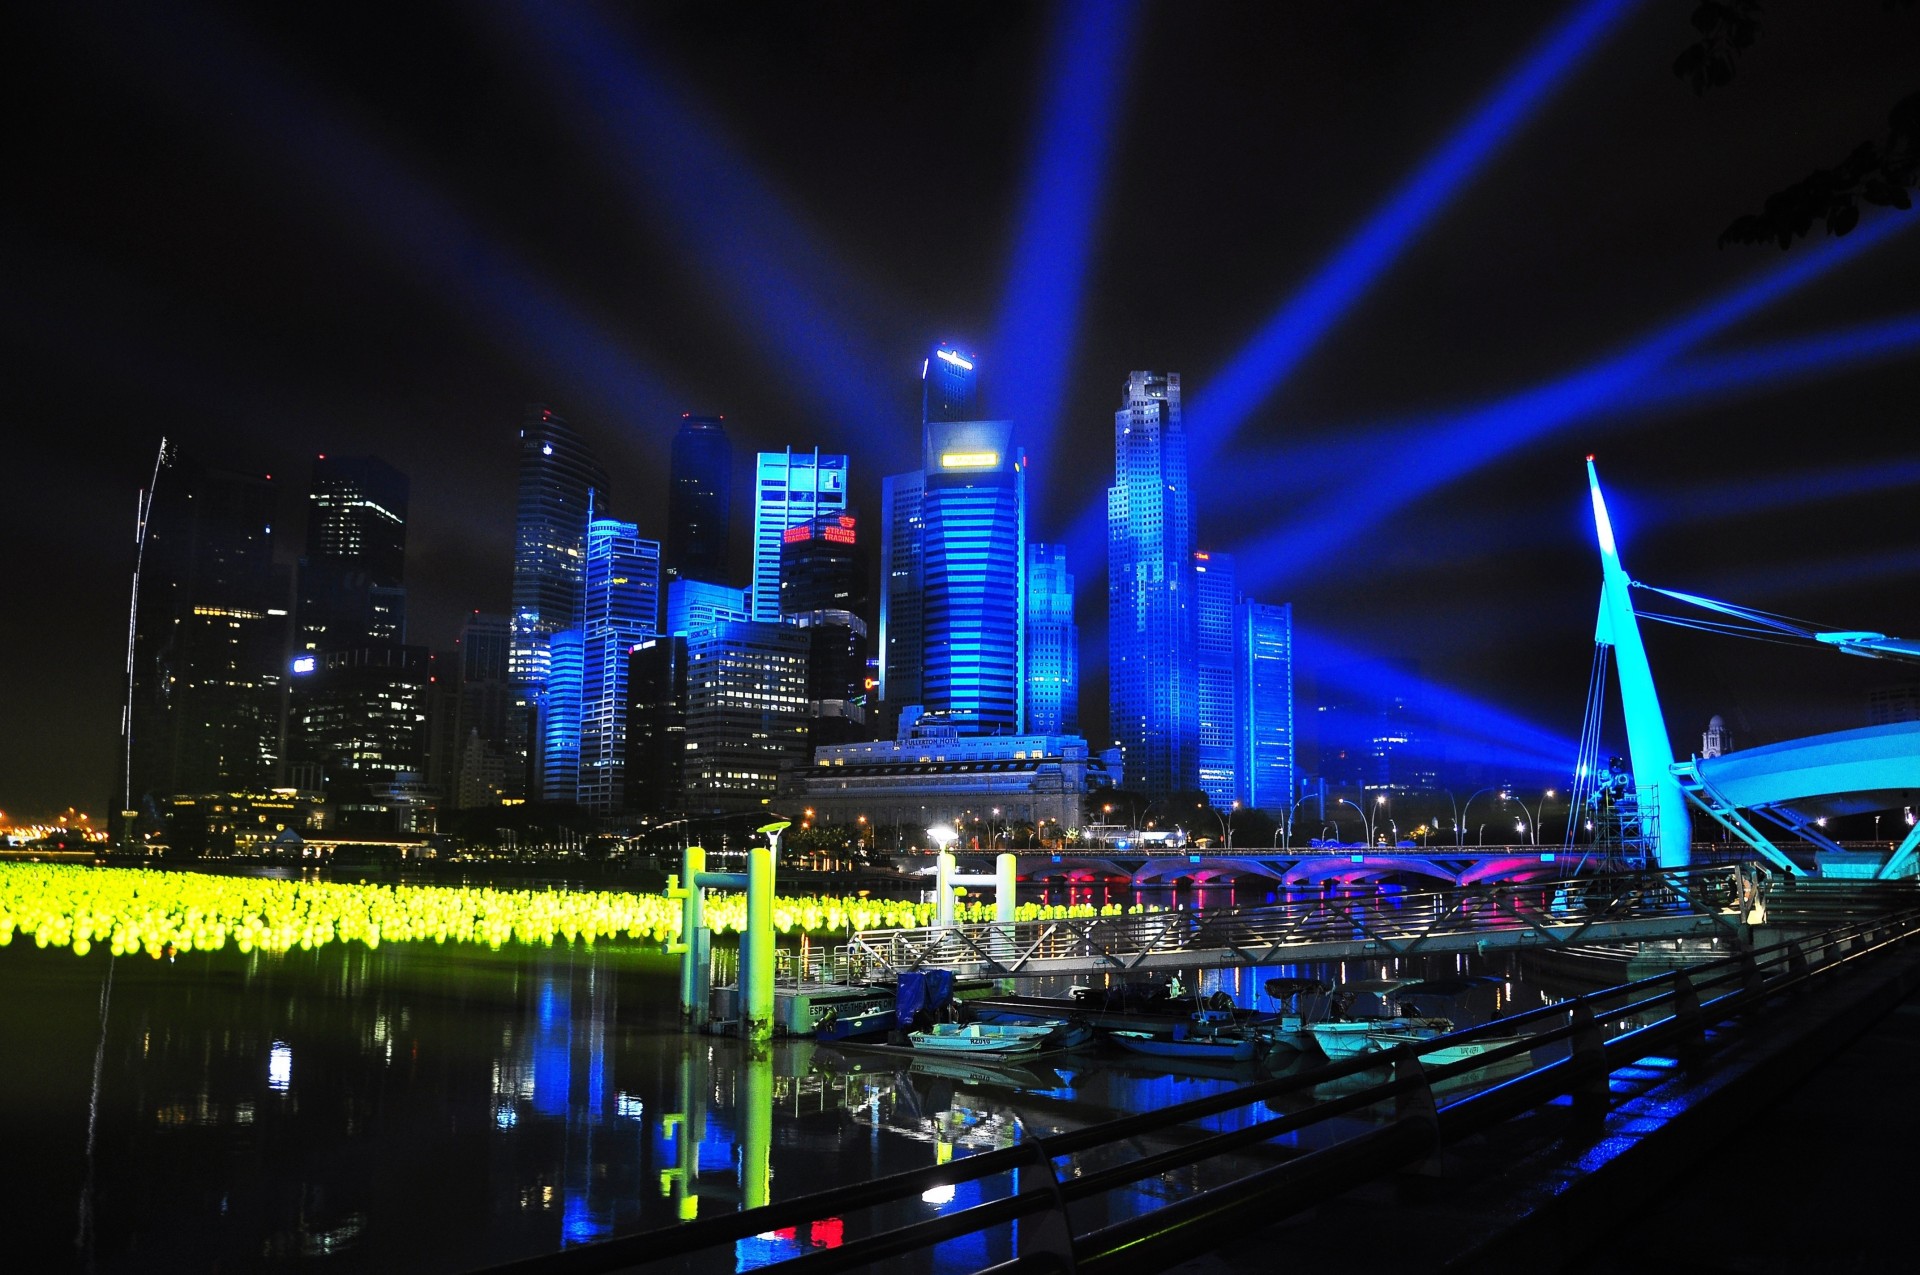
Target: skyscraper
699,501
1263,687
700,604
788,488
823,566
974,565
557,474
746,726
949,390
621,608
1218,726
352,585
210,639
1053,644
1151,634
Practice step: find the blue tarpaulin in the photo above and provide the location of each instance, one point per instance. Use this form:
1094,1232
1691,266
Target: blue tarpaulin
930,990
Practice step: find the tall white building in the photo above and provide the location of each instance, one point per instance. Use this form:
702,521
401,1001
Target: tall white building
788,488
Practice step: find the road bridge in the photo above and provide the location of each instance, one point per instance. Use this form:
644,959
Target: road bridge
1618,907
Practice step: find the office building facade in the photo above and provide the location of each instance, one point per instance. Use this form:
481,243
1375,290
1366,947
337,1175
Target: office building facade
789,488
974,565
558,477
1218,725
1151,621
1053,644
699,502
620,608
1267,758
746,731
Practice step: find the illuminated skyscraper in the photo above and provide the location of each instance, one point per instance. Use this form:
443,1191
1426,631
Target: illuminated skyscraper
699,604
1263,689
1218,723
352,577
699,502
210,641
1053,644
1152,662
621,609
559,718
788,489
974,567
557,473
949,391
746,724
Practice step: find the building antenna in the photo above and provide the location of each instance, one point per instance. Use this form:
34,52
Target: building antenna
143,507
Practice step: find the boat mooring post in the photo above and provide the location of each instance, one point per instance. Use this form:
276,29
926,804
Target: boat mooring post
757,941
1005,868
753,1100
694,946
943,890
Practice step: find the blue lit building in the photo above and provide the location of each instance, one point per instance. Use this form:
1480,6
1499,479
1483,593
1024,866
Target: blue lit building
1263,691
1053,644
1214,600
949,391
561,694
788,489
558,474
700,604
974,567
699,501
620,609
1152,660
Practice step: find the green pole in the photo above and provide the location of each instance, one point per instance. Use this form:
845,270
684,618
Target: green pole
756,951
693,1000
755,1100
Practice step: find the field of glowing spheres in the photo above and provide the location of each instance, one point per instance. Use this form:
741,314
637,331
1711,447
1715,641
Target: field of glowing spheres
129,911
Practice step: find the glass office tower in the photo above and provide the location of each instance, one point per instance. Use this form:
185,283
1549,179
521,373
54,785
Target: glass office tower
1263,687
620,609
1053,643
1152,662
974,561
789,488
699,501
558,475
1218,725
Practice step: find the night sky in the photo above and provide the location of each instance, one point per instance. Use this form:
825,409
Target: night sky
1414,261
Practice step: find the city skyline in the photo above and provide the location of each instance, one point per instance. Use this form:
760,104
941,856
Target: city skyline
251,235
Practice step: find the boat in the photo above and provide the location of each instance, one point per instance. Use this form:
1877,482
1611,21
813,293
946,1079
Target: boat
1296,1000
980,1038
1062,1033
1347,1037
1361,1012
1209,1034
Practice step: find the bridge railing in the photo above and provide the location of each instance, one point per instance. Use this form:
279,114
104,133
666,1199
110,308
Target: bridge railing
1050,1184
1558,910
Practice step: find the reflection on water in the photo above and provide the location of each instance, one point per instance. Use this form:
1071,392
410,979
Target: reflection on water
428,1108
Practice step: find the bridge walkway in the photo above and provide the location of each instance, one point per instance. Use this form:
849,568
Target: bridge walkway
1621,907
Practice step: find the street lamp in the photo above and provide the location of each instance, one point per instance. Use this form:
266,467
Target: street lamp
1460,815
1366,825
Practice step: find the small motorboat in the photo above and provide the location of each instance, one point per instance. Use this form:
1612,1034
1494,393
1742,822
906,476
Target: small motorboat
1345,1033
1209,1034
980,1038
1062,1033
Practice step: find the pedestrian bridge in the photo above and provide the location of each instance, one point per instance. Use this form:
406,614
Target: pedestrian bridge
1308,868
1334,926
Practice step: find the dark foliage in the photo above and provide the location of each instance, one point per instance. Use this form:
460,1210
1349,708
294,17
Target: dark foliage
1876,172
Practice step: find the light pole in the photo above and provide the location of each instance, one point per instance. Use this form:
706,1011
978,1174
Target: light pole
1460,815
1538,813
1366,826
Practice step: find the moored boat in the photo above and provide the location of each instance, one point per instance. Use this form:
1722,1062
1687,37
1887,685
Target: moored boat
980,1038
1208,1034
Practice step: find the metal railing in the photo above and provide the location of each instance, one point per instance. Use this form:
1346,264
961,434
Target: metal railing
1643,904
1665,1016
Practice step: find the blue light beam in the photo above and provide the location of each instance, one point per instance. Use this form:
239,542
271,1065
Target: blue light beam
1230,396
1427,455
1469,730
214,73
1038,327
774,279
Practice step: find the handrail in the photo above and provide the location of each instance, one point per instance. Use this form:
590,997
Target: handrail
1690,1000
1561,910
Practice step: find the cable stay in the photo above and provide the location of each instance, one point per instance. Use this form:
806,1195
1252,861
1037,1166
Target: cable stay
1770,625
